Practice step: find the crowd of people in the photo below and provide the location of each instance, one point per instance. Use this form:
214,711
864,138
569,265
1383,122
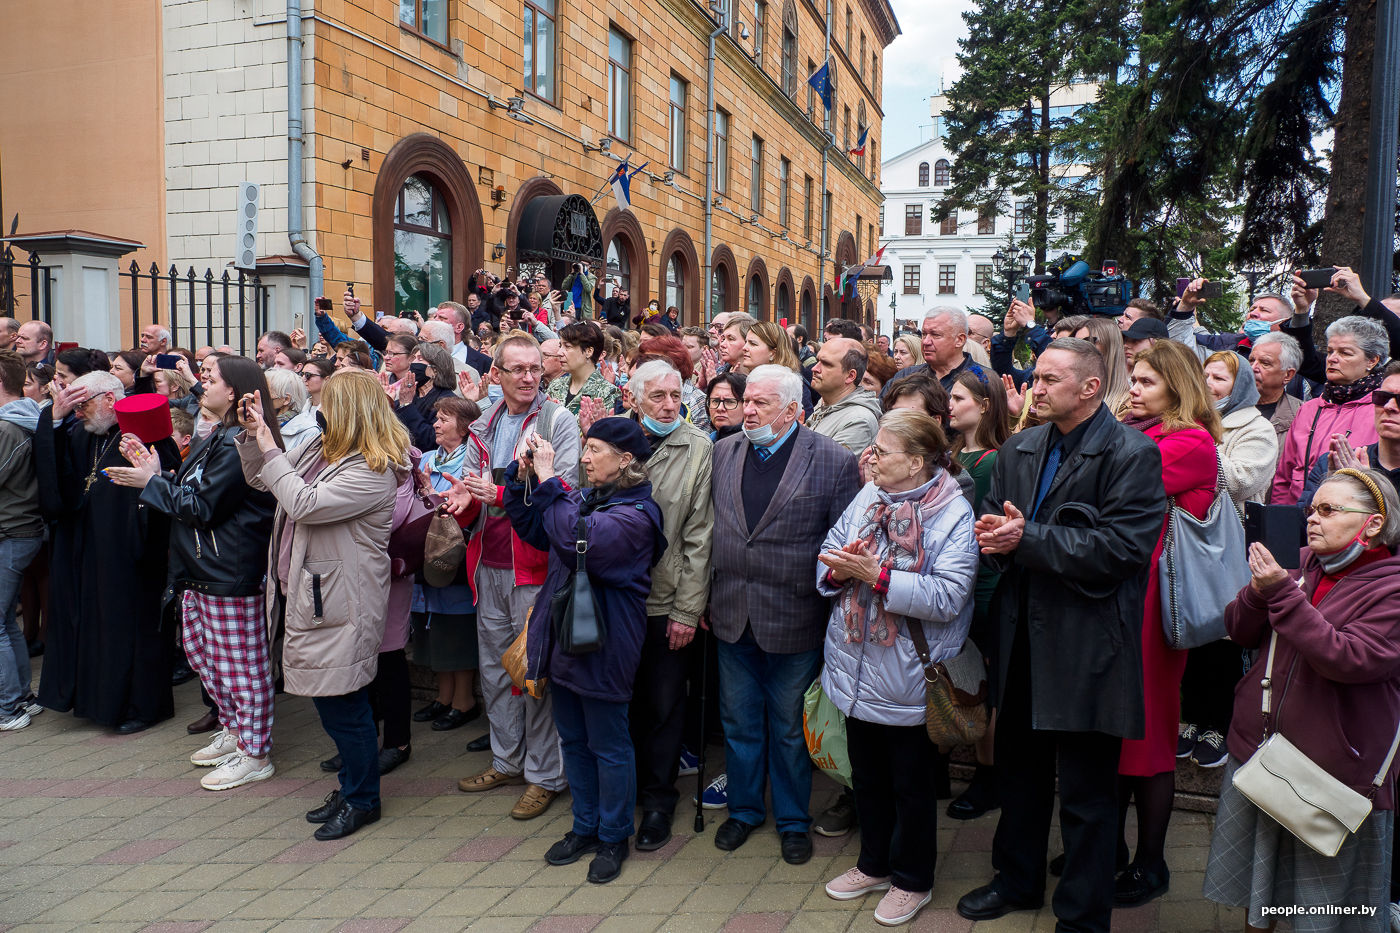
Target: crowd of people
641,537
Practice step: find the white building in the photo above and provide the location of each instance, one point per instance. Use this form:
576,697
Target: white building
945,263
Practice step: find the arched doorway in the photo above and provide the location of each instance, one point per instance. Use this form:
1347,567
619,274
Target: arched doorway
783,301
426,222
530,188
626,255
678,276
756,291
724,282
557,232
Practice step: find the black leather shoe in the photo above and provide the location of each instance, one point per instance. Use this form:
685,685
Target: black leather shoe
481,743
986,904
1137,886
607,864
977,800
732,834
332,764
206,723
797,848
326,810
393,756
345,821
132,726
181,675
430,712
654,832
571,848
455,718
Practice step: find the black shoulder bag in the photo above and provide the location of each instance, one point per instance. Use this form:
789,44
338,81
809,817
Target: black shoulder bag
578,621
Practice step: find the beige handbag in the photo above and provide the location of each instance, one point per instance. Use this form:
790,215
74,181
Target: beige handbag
955,696
1290,787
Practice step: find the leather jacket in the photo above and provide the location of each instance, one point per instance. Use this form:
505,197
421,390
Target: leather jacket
218,540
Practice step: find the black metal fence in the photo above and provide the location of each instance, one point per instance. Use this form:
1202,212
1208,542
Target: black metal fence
199,310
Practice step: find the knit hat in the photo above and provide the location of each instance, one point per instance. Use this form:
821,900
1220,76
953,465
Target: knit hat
624,434
147,415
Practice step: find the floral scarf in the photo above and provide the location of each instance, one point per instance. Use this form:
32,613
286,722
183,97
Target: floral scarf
894,531
1341,394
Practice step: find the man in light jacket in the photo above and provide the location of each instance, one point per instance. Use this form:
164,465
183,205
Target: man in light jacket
847,413
680,467
21,534
506,574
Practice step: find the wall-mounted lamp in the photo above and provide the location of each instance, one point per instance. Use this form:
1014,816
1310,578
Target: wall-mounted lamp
498,251
498,194
347,163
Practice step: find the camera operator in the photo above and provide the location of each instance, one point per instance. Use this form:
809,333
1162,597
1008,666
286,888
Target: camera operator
578,287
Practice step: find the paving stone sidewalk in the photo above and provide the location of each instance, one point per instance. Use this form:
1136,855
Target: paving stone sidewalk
113,834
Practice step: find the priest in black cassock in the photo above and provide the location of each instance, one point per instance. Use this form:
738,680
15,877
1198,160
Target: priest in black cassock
106,658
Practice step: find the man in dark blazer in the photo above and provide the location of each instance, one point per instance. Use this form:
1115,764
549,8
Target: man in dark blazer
778,489
1071,521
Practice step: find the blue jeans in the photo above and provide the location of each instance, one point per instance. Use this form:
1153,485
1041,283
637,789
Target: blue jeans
349,722
15,671
760,704
599,763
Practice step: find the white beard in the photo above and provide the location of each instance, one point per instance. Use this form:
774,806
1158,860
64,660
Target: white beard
100,424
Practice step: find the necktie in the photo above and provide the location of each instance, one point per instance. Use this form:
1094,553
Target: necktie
763,453
1047,476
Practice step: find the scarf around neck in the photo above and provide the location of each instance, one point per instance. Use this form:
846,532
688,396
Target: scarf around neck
893,529
1142,424
1341,394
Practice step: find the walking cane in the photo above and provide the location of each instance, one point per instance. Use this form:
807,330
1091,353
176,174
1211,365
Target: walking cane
700,753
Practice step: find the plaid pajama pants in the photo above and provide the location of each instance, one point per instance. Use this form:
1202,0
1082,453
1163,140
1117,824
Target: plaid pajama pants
225,640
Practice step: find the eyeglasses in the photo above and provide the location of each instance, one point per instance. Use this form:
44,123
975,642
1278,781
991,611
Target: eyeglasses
394,353
1381,398
87,401
1327,510
876,453
520,372
310,374
728,404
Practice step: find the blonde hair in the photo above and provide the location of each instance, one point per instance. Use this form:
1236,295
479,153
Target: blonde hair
1230,358
1108,340
1191,404
776,339
914,345
176,380
359,420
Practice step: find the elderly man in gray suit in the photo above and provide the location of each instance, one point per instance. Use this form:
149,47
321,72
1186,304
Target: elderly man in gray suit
778,489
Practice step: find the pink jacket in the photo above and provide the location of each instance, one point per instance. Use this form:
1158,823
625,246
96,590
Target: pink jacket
1309,436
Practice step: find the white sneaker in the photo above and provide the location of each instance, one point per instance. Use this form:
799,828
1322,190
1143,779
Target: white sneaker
14,721
31,705
1395,918
900,906
224,747
239,770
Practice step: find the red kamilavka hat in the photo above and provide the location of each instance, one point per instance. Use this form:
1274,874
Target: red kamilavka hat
146,415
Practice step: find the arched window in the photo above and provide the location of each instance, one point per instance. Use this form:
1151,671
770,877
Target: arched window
675,283
784,307
923,174
717,291
756,298
422,248
618,265
940,173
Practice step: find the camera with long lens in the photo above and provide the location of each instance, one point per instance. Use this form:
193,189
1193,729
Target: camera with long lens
1071,287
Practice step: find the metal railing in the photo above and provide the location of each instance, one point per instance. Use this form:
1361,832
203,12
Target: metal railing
40,292
238,313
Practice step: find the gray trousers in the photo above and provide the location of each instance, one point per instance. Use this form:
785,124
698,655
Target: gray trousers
523,737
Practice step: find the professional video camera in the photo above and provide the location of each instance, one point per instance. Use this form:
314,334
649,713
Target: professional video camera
1070,286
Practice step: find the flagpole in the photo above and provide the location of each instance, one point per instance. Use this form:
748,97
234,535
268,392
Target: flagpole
826,146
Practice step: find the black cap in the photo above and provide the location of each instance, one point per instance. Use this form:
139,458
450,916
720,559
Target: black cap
1147,328
624,434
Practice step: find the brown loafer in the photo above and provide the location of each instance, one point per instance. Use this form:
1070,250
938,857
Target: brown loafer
206,723
488,779
533,802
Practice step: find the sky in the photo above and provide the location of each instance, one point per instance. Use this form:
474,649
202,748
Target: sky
912,65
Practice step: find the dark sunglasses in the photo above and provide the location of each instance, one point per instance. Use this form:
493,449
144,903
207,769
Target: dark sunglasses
1380,398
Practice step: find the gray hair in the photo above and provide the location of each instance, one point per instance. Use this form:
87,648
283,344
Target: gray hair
648,371
437,330
163,334
1088,362
9,325
1363,496
1369,335
98,382
1289,352
1274,296
956,315
286,384
789,383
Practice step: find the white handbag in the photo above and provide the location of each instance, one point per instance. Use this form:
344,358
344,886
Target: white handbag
1291,787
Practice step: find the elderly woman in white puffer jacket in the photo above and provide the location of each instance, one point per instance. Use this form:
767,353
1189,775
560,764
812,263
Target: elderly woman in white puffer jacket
902,554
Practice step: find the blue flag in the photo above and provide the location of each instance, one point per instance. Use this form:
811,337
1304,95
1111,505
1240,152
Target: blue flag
622,187
821,81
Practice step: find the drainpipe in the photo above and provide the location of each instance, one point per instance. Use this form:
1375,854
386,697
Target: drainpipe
826,146
710,170
295,234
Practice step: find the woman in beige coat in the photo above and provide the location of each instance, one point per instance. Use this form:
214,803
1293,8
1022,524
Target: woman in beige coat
1249,448
329,570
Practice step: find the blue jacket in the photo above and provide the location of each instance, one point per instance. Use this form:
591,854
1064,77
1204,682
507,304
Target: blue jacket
335,336
625,540
1004,349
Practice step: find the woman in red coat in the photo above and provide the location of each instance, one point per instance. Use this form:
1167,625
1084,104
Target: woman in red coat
1170,404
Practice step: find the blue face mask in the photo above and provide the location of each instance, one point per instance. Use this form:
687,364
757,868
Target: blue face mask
761,436
653,426
1256,329
494,393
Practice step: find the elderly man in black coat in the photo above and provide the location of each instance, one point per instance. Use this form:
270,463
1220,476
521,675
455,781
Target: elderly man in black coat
1071,521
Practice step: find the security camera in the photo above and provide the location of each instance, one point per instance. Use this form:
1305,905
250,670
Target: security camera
743,32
